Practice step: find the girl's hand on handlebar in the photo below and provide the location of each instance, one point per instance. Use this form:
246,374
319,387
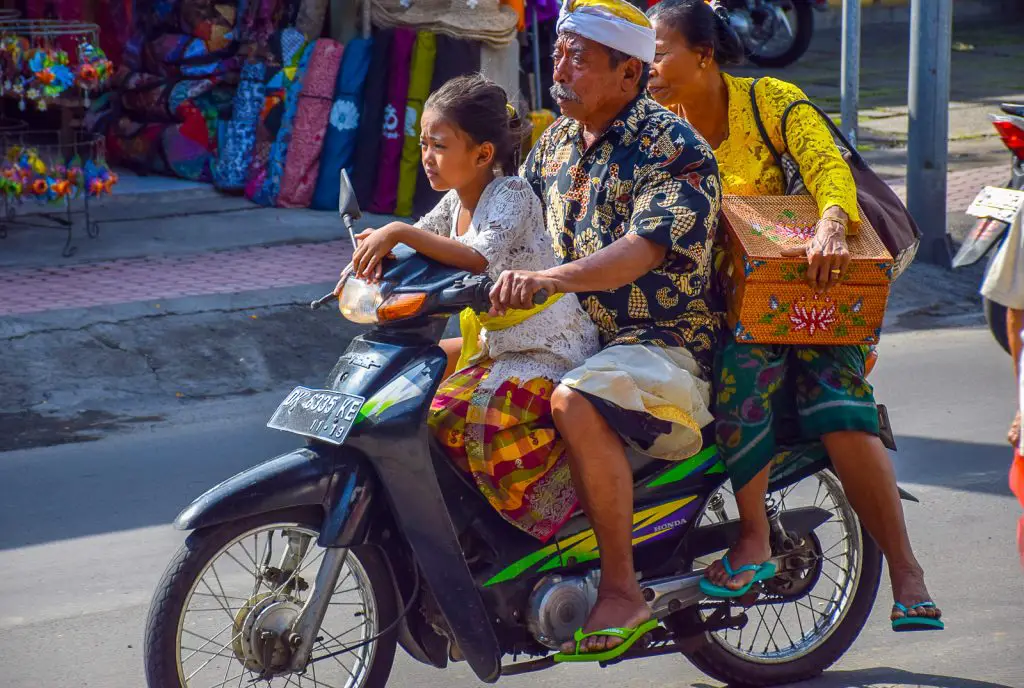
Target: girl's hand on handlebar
373,248
516,289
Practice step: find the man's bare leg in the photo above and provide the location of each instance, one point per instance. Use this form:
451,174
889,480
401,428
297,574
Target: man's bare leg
604,484
753,546
868,478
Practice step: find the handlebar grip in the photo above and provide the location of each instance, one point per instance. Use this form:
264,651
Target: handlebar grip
540,297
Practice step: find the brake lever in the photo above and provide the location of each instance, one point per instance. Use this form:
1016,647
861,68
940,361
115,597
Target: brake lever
322,301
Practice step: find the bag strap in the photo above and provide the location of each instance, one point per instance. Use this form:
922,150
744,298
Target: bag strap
856,158
760,124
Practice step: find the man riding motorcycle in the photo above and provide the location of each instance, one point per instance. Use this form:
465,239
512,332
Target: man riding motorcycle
637,249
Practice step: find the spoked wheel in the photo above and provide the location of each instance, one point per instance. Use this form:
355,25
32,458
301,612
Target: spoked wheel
232,591
808,617
779,36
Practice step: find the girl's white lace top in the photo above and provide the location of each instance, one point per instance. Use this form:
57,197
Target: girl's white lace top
507,229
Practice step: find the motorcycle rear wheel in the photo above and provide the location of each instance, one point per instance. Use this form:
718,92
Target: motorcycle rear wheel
184,584
720,655
803,31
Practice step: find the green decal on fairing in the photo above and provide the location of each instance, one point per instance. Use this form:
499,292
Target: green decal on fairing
684,470
400,389
582,547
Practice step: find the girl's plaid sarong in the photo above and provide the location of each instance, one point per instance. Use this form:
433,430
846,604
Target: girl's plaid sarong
506,440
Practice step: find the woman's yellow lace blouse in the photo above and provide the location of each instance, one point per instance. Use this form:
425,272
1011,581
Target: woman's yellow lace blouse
747,166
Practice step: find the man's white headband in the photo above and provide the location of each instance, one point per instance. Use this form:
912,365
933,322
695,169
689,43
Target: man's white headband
598,22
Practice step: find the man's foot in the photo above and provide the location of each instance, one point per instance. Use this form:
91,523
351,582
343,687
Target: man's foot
749,550
908,589
613,610
1014,435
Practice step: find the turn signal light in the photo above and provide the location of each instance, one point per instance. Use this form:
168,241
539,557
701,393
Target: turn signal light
1012,135
401,306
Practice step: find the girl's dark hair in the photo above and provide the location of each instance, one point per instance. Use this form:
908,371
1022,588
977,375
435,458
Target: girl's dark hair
702,26
479,107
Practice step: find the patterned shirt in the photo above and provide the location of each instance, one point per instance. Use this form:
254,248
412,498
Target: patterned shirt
652,175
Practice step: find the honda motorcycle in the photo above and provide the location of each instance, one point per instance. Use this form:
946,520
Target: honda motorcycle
312,568
989,232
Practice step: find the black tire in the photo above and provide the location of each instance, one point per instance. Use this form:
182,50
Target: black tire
995,314
804,31
161,642
717,662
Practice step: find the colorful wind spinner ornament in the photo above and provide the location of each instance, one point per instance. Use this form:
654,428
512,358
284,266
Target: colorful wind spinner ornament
94,69
51,76
24,174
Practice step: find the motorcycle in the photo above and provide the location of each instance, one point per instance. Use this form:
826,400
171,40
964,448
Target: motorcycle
313,567
776,33
995,210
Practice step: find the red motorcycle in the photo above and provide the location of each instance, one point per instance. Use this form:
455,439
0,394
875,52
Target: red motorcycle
990,231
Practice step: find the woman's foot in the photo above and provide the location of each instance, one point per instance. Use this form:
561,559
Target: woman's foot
613,610
908,589
749,550
1013,437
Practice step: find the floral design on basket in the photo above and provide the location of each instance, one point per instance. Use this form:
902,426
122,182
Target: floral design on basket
814,316
24,174
783,233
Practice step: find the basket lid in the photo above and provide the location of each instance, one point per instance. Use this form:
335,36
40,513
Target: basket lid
765,225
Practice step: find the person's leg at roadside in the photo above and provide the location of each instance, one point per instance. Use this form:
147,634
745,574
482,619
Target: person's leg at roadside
452,349
748,377
837,403
604,485
1014,331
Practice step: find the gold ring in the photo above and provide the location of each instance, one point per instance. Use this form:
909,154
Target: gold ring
837,272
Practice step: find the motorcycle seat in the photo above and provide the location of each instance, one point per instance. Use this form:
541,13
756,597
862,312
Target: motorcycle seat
1016,109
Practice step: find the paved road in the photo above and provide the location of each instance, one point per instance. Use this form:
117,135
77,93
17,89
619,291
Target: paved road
85,537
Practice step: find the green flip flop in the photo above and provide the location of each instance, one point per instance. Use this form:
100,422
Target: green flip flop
761,572
629,637
908,623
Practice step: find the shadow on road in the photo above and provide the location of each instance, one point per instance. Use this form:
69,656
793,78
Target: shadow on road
966,466
886,677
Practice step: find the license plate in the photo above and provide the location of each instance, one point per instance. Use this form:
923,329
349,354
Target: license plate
317,413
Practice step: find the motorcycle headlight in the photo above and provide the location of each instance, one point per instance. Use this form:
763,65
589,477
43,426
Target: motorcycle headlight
363,303
359,301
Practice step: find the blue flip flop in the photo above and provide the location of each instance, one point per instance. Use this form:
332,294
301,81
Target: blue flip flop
908,623
761,572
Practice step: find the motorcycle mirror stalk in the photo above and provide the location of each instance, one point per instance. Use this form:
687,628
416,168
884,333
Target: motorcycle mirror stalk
348,208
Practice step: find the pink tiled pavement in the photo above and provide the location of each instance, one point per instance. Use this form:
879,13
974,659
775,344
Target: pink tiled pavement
33,290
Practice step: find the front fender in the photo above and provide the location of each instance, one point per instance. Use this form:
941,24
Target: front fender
299,478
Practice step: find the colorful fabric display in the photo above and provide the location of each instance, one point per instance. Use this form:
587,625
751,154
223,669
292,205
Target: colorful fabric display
303,161
279,150
236,145
392,135
368,135
422,71
285,49
340,140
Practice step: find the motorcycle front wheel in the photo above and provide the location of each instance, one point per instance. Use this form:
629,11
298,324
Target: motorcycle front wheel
231,590
804,620
775,52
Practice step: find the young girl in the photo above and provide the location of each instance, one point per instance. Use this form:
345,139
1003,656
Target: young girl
493,416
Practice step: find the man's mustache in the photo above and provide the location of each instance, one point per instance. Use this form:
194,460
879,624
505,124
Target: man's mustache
563,92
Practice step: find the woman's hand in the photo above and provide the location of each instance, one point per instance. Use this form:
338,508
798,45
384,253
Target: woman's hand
516,289
372,248
828,255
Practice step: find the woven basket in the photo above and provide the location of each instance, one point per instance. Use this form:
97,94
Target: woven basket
769,300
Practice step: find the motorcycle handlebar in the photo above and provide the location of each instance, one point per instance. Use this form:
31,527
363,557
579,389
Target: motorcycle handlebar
481,300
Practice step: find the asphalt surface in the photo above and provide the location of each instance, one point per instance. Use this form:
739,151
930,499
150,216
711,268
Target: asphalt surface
85,536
